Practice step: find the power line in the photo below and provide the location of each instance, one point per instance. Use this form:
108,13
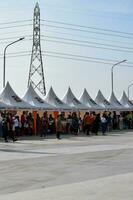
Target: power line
14,56
19,52
55,56
86,57
16,31
69,28
80,41
64,54
88,27
8,38
25,40
77,59
68,24
16,26
87,31
90,37
67,56
84,41
69,39
14,22
104,48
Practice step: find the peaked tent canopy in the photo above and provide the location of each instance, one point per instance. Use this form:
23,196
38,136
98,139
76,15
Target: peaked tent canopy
126,102
73,102
9,97
33,98
89,102
100,100
114,101
52,99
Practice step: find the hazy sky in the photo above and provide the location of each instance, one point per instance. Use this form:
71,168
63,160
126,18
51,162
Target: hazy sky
61,73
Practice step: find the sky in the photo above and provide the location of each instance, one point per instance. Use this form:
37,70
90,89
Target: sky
60,73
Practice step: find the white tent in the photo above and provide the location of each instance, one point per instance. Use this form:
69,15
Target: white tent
52,99
102,101
33,98
126,102
9,97
114,101
89,102
4,106
73,102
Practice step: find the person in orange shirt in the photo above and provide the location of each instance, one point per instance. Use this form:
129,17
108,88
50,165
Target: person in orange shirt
88,121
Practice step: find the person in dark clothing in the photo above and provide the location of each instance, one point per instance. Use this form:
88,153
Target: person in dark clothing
59,127
4,128
38,124
1,132
75,124
23,123
11,132
51,124
44,124
7,127
30,122
83,122
109,121
114,120
68,123
96,124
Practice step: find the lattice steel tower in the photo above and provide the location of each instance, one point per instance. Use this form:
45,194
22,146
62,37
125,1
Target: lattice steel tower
36,74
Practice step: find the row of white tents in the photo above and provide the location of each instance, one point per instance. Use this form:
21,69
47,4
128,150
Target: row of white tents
31,100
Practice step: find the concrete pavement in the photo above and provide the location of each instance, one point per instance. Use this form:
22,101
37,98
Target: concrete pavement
84,168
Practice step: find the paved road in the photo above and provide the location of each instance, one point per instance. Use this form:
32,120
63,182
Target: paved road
76,167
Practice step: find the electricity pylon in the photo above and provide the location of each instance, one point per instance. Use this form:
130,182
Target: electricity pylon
36,74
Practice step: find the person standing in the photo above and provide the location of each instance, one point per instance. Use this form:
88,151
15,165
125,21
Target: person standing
23,123
38,124
59,126
51,124
88,121
4,127
121,122
30,122
16,125
10,121
114,120
96,124
75,123
109,121
1,132
104,123
44,122
68,123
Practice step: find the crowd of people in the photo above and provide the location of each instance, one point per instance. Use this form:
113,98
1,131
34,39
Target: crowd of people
13,125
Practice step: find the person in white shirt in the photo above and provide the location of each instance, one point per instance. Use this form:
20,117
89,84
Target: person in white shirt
104,123
16,125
